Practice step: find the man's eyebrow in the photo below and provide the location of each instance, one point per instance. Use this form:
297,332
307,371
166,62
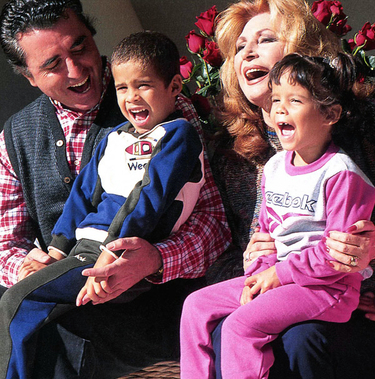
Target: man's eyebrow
48,62
76,43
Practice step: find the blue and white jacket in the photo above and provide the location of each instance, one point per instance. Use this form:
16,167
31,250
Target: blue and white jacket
135,186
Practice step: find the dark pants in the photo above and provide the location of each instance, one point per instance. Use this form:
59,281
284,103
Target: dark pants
109,340
321,350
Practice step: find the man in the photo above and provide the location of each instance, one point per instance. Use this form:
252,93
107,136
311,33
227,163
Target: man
42,149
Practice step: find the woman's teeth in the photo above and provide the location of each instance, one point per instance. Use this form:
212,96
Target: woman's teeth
255,73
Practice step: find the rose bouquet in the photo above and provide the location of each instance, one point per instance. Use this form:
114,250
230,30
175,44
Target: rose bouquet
201,73
331,14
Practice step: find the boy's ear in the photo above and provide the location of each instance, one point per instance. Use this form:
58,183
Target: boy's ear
334,114
176,84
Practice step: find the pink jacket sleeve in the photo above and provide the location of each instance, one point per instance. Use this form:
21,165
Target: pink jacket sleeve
349,199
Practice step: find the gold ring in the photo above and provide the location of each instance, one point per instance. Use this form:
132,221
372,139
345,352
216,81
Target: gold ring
353,261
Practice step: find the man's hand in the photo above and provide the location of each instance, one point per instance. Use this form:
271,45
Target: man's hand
96,288
259,283
353,250
139,260
34,261
260,244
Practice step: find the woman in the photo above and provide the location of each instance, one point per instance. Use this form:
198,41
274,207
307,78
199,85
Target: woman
253,36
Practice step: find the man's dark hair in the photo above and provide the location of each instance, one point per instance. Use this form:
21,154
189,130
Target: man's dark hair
150,49
20,16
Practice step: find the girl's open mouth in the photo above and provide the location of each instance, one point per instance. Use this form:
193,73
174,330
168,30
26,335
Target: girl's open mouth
286,129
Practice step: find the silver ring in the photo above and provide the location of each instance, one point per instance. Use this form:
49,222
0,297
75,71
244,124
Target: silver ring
353,261
247,257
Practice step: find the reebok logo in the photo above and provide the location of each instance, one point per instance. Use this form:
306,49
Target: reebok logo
287,201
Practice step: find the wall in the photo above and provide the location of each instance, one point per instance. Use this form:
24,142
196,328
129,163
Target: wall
117,18
113,20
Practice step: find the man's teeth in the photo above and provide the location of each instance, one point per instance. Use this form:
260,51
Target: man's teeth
81,84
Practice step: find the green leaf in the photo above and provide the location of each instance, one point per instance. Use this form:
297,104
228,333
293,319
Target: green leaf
371,61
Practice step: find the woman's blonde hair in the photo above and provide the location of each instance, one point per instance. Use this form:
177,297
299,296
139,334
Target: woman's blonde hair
297,27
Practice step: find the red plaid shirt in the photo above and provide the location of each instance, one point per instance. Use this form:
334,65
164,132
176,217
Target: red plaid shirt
186,254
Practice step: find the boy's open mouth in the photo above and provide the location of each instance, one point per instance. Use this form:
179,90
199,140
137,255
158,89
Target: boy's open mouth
139,115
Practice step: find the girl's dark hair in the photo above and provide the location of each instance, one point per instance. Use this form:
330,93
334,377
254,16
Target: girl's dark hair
330,82
150,49
20,16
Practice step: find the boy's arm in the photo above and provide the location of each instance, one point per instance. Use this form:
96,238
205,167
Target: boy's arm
192,249
78,205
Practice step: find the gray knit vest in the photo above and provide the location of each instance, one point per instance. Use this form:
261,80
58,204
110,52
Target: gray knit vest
36,146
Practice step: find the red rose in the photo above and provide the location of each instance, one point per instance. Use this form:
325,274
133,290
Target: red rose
340,28
201,104
195,42
185,67
366,37
212,55
351,44
331,14
322,11
206,21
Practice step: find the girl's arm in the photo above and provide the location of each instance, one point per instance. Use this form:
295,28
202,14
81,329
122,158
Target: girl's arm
349,199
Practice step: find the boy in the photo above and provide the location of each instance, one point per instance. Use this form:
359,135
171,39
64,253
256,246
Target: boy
145,68
143,181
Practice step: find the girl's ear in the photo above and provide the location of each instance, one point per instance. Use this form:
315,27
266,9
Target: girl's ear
176,84
334,113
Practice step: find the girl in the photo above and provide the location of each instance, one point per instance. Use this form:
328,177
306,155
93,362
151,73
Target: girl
309,189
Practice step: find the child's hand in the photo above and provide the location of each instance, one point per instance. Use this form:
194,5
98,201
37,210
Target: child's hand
30,266
55,254
259,283
95,287
246,296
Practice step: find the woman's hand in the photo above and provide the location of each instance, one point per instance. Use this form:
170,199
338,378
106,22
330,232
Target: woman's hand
353,250
367,305
260,244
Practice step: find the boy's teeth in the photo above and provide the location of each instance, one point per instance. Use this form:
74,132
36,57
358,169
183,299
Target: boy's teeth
140,114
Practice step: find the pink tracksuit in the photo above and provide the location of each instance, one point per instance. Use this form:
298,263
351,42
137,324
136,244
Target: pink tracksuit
298,214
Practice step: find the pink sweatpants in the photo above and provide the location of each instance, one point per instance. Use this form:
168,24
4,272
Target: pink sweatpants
248,330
